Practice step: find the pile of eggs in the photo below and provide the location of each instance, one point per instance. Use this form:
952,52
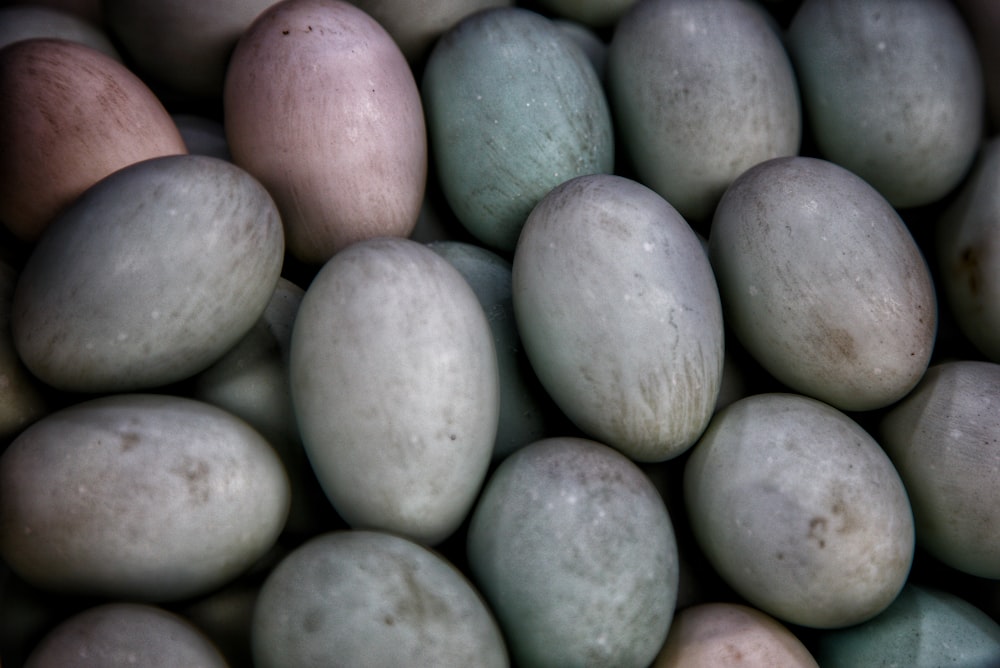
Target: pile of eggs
483,333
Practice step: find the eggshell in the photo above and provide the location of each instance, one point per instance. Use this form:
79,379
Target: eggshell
729,634
823,284
251,381
149,277
923,628
396,388
182,44
22,397
72,115
140,497
415,25
572,547
701,92
514,108
800,511
893,92
944,439
116,635
18,22
620,315
365,598
968,253
203,135
523,402
321,106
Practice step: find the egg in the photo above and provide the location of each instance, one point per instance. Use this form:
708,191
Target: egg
968,253
52,150
799,510
524,406
396,388
620,315
183,45
251,381
322,107
893,92
823,284
514,108
149,277
18,22
730,634
356,598
116,635
415,25
923,628
22,398
701,91
140,497
944,439
574,550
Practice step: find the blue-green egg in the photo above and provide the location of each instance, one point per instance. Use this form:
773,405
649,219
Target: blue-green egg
923,628
513,109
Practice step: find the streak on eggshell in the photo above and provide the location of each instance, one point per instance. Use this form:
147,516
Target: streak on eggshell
322,107
71,116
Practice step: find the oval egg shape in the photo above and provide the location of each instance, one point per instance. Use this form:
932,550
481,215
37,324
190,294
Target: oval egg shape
799,510
619,315
701,91
322,107
149,277
396,388
116,635
893,92
52,150
823,284
944,439
514,108
140,497
968,253
573,548
367,598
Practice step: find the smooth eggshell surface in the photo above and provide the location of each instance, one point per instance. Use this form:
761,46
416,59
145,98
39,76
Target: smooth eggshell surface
800,511
944,438
19,22
119,635
140,497
893,92
366,598
823,283
322,107
619,315
51,150
923,628
701,92
710,635
514,108
396,388
149,277
523,402
968,253
574,550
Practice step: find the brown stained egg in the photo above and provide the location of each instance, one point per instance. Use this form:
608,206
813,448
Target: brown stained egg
71,116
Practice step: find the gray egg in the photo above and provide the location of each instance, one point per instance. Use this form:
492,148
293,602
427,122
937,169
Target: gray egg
139,496
574,550
366,598
149,277
823,283
395,387
893,92
800,511
620,316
